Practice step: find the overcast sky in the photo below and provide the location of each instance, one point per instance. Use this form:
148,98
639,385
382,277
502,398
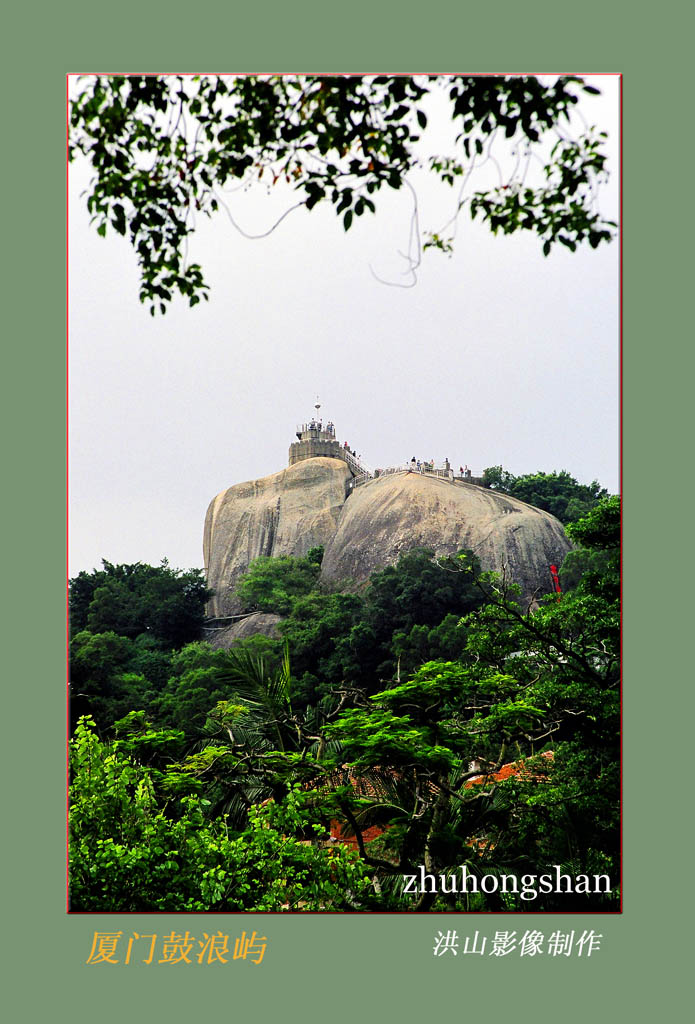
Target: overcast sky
497,356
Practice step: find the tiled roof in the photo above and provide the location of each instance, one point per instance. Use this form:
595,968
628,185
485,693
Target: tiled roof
513,769
517,770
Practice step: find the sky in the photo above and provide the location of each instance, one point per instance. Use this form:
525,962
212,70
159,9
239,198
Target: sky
497,356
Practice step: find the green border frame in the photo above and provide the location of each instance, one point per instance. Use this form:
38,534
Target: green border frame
330,966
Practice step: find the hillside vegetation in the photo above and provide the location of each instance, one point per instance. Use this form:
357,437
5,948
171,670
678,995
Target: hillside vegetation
427,721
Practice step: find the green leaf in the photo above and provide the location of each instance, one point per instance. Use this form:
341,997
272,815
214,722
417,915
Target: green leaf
118,219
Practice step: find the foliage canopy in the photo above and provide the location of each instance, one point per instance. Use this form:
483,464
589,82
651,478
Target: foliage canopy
130,600
162,149
558,493
429,721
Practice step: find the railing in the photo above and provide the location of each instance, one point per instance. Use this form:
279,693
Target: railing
211,623
362,473
356,465
425,469
356,481
316,425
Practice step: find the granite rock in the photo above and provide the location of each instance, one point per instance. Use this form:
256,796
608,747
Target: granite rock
390,515
258,622
305,505
286,513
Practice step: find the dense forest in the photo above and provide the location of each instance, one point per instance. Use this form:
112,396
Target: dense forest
429,722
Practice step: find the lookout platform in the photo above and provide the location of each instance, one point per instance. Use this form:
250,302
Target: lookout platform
317,440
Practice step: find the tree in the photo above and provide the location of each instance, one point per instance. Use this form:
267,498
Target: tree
163,603
498,479
273,584
557,493
346,638
264,688
600,528
192,689
128,853
415,592
445,642
315,630
162,148
596,562
99,680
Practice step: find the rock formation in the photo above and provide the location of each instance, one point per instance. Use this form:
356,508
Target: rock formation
389,515
283,514
306,505
248,625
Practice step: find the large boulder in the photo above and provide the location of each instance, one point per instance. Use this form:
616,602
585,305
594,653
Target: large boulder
392,514
225,637
284,514
305,505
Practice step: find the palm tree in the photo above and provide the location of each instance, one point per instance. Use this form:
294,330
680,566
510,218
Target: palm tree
265,691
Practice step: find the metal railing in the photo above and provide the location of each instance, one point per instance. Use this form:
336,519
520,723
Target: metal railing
356,465
424,469
357,481
427,469
317,427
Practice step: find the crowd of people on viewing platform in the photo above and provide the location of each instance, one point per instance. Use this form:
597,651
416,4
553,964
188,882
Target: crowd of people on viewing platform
318,425
423,466
414,466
